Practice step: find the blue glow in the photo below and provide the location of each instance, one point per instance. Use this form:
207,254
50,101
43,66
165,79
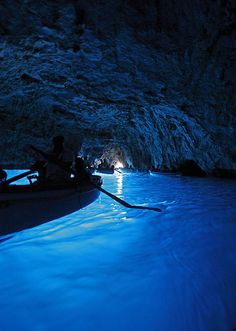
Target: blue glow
110,268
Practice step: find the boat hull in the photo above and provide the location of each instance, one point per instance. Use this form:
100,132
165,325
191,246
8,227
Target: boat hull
21,210
159,173
105,171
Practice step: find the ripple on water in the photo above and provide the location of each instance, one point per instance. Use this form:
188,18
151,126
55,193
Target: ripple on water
107,267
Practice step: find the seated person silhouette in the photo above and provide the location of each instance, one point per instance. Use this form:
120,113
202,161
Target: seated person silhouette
82,176
49,172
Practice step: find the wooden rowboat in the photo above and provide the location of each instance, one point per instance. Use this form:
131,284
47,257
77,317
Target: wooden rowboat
26,206
160,173
108,171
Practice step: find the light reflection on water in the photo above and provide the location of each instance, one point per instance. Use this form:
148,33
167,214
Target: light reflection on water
107,267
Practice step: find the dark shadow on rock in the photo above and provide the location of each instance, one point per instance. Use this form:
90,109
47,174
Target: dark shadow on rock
29,79
191,168
224,173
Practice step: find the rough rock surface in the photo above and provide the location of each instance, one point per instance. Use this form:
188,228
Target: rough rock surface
148,82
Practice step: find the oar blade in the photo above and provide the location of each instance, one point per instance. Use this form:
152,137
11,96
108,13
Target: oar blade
17,177
124,203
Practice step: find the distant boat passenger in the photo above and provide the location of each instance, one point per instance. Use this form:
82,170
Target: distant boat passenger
103,165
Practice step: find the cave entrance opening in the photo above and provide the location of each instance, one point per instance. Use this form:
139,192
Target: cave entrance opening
116,156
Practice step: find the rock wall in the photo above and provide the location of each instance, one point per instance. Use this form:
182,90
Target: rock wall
152,83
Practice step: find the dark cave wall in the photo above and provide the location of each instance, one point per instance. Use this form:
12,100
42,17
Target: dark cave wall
157,79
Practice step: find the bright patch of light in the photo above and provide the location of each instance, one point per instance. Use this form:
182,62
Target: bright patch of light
119,184
119,165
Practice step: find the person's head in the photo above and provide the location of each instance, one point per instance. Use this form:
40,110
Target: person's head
79,164
58,142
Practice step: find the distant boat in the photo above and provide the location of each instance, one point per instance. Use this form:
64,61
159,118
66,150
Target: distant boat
157,173
26,206
109,171
127,170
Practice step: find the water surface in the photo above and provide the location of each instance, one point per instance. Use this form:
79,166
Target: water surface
110,268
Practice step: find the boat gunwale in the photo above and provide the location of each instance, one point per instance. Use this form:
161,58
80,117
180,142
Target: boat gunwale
47,187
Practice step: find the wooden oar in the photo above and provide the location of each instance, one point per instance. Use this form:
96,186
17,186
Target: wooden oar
122,202
17,177
61,164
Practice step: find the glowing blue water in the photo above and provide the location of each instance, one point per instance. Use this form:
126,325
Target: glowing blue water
110,268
